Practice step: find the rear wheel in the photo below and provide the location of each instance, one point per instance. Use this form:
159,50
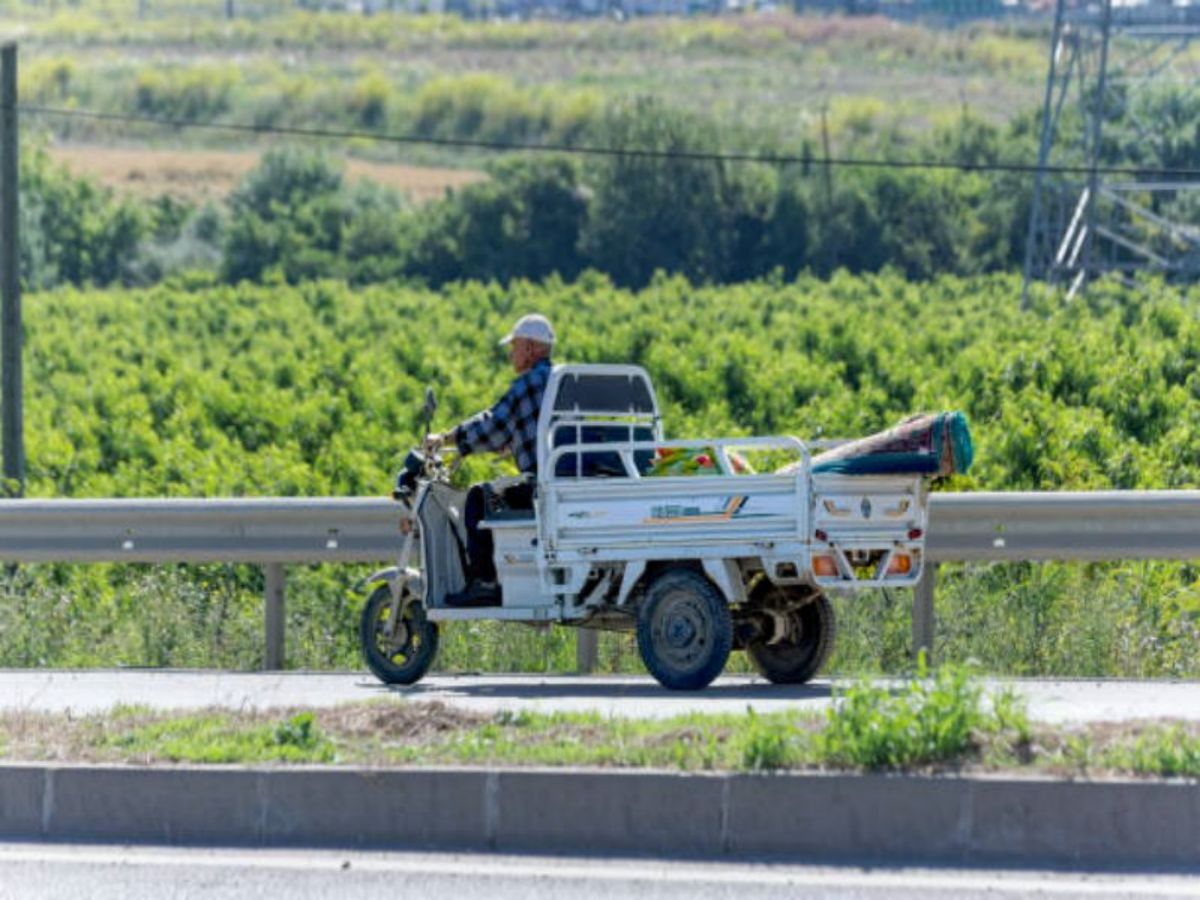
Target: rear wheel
807,642
406,655
684,630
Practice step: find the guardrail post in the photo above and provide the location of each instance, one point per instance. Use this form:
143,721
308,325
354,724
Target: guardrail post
273,615
587,646
922,615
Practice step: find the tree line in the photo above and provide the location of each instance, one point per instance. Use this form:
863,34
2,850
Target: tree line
296,217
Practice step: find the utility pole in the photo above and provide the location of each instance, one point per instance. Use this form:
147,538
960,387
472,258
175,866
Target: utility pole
10,280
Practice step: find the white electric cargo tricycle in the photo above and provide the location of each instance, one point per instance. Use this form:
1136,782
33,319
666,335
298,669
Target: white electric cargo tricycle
696,566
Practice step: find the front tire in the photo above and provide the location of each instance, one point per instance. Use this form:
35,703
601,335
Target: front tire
406,656
684,630
798,657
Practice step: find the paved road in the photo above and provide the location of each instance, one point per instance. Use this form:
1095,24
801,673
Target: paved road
34,872
1068,701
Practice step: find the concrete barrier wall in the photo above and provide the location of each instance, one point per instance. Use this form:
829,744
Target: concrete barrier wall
795,816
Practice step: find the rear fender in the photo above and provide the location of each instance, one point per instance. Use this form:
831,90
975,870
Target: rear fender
726,575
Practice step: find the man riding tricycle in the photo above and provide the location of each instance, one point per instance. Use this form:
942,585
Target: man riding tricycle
598,533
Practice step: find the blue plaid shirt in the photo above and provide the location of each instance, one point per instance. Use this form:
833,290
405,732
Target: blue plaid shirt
511,424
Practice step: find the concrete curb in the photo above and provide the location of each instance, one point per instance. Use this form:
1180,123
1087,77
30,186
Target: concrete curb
797,816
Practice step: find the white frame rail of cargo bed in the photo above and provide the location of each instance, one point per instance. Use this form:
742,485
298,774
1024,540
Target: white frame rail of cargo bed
734,538
272,532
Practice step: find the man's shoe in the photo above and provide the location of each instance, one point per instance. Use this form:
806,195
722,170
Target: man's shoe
476,593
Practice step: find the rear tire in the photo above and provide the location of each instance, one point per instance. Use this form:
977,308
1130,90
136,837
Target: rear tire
798,657
407,655
684,630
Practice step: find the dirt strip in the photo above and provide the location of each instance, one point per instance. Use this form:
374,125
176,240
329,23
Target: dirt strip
198,175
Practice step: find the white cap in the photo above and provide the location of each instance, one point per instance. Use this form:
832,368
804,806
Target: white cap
533,327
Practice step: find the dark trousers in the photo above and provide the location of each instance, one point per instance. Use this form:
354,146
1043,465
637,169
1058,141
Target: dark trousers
491,497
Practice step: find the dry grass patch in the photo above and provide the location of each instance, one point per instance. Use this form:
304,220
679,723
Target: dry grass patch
198,175
414,723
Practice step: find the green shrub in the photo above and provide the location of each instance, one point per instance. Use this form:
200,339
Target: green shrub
47,80
769,744
294,216
285,179
525,222
369,99
649,213
927,721
299,731
72,230
196,93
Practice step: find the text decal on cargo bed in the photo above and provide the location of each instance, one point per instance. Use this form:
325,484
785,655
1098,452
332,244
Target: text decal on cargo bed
674,513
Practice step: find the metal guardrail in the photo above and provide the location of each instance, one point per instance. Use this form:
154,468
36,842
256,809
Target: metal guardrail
257,530
267,531
1085,526
1101,525
1039,526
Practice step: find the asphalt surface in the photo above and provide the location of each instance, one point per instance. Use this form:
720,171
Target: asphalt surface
1062,701
36,871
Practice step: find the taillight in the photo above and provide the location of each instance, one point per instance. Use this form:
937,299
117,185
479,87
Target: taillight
824,566
914,533
901,564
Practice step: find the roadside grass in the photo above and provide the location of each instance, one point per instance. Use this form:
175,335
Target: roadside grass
135,734
1087,620
1162,749
933,723
1137,620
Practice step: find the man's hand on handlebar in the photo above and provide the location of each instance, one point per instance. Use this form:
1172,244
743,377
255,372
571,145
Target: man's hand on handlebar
435,442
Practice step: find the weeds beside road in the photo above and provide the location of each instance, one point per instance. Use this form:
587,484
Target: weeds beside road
942,723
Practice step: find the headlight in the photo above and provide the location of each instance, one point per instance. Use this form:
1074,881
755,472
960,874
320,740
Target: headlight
406,480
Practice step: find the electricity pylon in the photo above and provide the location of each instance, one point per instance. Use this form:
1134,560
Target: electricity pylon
1104,63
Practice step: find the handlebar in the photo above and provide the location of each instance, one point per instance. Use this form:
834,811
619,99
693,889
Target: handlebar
427,463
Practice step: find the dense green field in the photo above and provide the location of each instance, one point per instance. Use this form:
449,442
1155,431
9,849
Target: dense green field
210,390
191,389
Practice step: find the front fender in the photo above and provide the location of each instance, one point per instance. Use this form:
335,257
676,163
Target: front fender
409,578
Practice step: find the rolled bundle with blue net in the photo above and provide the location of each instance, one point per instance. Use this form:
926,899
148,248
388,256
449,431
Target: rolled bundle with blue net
932,444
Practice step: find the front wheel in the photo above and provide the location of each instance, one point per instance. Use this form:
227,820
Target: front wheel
800,654
684,630
406,656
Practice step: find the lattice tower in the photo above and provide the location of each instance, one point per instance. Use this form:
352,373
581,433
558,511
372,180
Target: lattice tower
1106,62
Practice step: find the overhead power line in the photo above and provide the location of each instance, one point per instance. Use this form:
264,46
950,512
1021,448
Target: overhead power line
621,152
